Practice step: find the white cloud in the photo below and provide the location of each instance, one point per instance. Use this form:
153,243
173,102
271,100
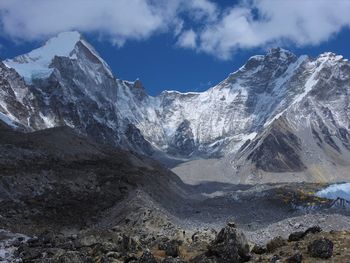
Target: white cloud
187,39
201,9
120,20
215,30
258,23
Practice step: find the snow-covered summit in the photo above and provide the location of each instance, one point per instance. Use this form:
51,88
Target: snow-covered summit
277,90
37,63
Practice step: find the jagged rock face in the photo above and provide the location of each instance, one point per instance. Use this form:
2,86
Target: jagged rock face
137,141
77,90
238,119
311,134
183,142
278,151
17,101
71,97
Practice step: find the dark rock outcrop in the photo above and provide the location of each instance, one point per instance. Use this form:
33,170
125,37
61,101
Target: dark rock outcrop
296,236
259,250
230,245
313,230
299,235
296,258
183,140
321,248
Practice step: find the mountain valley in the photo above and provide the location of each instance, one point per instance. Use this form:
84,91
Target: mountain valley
93,169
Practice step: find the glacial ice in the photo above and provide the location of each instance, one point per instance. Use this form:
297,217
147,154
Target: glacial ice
335,191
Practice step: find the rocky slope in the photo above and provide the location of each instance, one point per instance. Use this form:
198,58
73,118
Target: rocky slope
278,118
65,198
57,178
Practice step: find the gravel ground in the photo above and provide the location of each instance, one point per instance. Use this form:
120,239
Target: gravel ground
283,228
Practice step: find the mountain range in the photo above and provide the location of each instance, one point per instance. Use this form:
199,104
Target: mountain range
277,118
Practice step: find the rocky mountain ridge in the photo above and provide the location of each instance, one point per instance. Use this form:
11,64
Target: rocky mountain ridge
278,113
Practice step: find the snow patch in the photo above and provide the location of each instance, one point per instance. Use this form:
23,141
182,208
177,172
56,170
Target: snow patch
7,248
7,120
49,122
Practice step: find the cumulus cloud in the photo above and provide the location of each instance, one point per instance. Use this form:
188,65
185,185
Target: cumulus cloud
261,22
121,20
187,39
214,29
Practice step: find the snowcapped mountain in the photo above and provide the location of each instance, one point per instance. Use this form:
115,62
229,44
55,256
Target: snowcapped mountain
278,113
71,85
309,137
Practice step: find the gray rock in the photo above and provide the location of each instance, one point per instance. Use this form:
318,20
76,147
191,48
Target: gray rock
275,243
296,258
321,248
172,248
230,245
258,250
313,230
274,258
147,257
296,236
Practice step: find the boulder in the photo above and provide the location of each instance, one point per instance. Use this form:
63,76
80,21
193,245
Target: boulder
259,250
172,248
299,235
275,258
230,245
275,243
313,230
321,248
296,236
296,258
205,235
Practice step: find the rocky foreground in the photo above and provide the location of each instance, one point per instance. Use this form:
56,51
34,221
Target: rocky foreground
64,198
228,245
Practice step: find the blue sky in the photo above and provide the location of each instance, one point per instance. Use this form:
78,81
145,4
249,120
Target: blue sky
180,46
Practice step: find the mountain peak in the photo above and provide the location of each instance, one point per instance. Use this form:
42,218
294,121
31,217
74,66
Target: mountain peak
278,50
329,56
63,43
280,53
60,45
37,63
273,56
